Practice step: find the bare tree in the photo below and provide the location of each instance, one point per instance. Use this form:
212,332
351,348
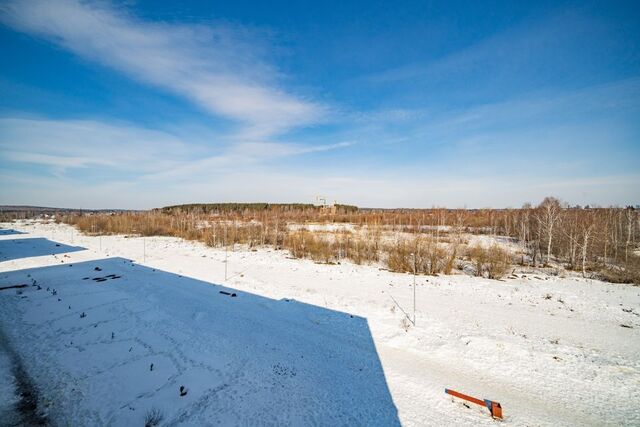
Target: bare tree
629,215
587,226
548,216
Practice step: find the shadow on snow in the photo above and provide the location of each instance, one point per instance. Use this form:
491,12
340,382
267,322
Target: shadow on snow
244,360
9,232
31,247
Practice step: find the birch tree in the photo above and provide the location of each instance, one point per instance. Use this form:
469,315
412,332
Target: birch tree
548,216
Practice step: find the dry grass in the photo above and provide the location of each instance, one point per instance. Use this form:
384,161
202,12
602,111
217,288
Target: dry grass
330,248
422,255
429,241
616,274
492,262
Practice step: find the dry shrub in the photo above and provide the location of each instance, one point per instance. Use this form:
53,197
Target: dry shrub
492,262
432,257
305,244
399,257
609,235
143,224
331,247
153,418
614,274
364,251
422,255
358,249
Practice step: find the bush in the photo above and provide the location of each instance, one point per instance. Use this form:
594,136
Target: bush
620,275
422,255
304,244
399,258
153,418
492,262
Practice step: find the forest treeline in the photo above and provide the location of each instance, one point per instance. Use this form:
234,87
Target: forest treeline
244,208
597,242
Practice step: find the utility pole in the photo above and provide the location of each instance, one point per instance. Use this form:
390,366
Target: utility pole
414,289
226,253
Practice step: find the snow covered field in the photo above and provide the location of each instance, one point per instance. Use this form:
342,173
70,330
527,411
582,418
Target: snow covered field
8,395
118,324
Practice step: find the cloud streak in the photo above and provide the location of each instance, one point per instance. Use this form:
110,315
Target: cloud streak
63,146
213,66
69,144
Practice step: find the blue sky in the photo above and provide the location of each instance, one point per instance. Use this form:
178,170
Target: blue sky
141,104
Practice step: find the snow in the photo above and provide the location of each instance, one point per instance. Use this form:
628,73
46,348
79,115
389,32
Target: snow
8,395
27,247
304,343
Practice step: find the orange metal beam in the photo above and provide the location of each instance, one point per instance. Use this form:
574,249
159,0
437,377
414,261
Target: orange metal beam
494,407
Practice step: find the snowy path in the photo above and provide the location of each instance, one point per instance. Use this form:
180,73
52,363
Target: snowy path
551,350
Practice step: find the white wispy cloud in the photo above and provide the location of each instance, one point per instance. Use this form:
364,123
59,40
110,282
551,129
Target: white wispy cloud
215,66
63,145
66,144
240,156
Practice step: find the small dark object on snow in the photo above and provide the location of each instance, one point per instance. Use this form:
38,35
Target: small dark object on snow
228,293
85,278
97,269
626,326
69,307
183,391
153,418
113,335
59,300
83,315
130,348
39,288
47,289
54,293
57,244
151,367
13,287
